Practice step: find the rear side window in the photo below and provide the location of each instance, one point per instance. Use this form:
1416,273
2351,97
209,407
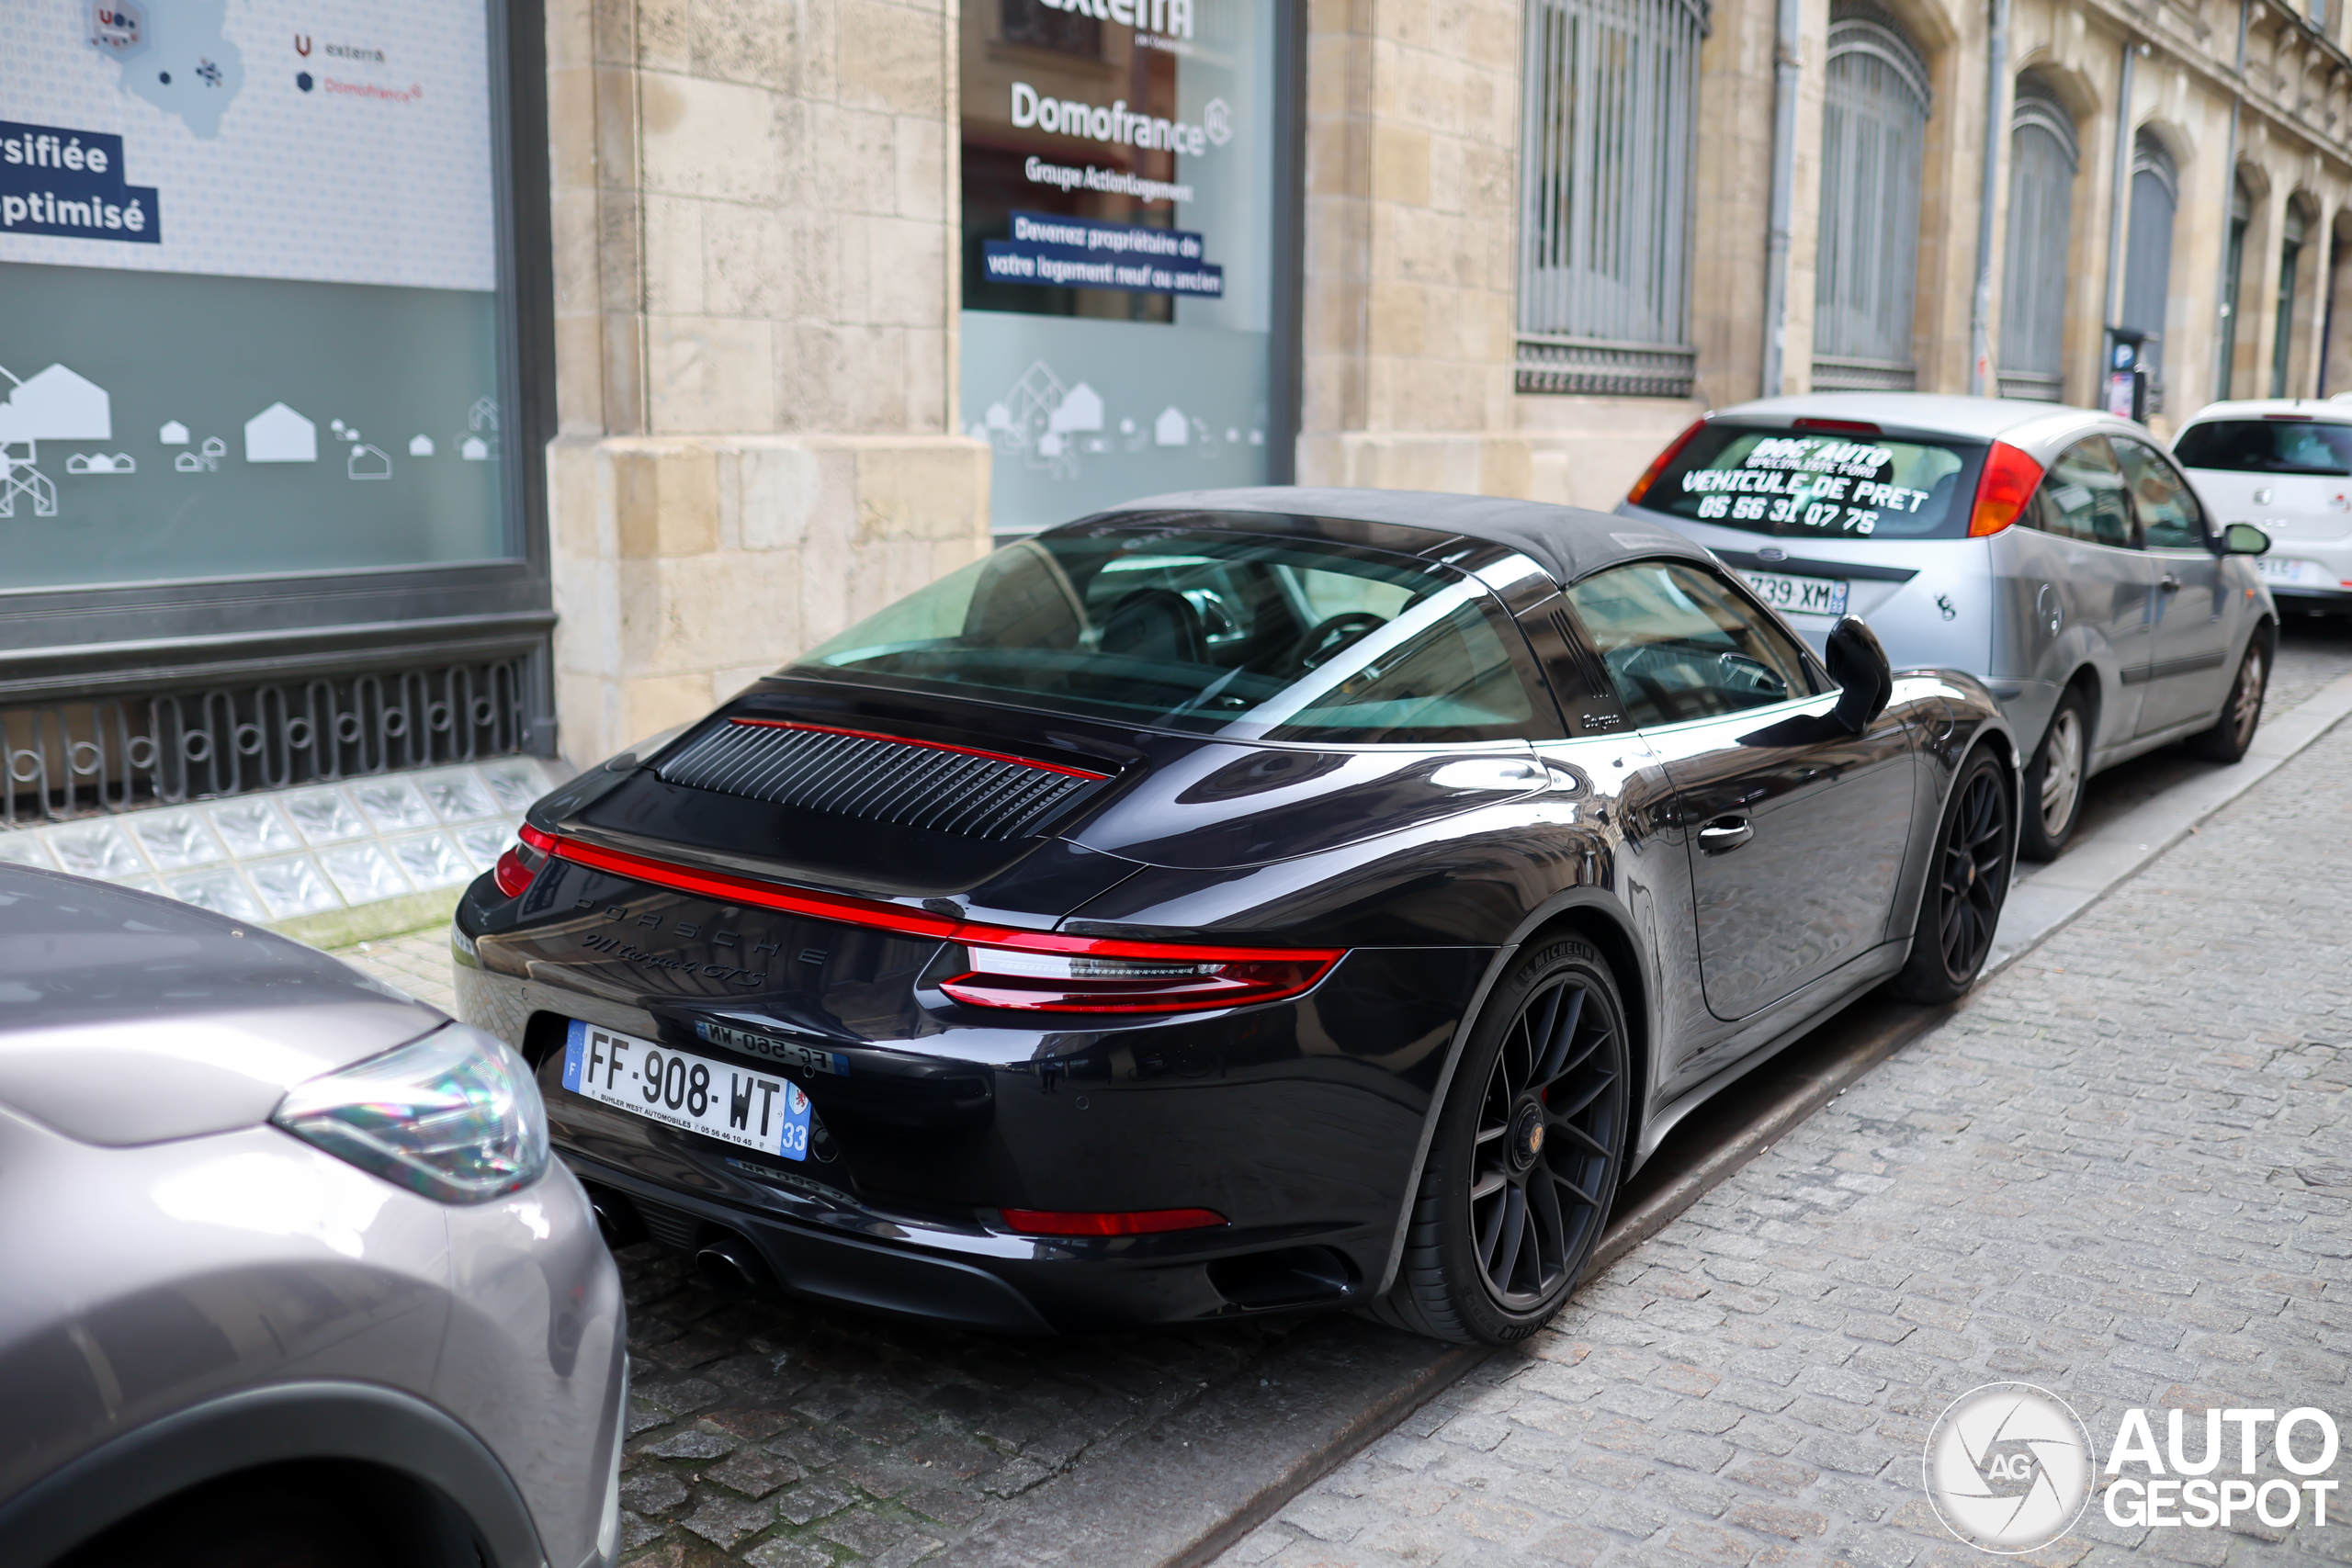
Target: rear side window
2170,518
1679,644
2083,497
2266,446
1791,483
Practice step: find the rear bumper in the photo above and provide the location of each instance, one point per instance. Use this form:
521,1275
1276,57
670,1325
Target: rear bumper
2333,599
1299,1121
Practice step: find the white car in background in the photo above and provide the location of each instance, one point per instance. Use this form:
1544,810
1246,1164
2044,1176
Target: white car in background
2284,467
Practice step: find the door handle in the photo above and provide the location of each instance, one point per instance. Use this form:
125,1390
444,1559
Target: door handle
2170,585
1725,833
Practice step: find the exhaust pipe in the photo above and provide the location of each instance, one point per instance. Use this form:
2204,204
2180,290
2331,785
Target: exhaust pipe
731,1266
617,1221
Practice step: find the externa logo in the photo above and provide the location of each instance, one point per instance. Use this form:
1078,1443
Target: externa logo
2008,1467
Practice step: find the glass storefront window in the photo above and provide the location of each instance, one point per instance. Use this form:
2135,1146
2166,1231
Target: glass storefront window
250,256
1120,165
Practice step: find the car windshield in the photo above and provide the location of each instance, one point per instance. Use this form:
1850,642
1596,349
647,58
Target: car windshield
1791,483
2266,446
1233,634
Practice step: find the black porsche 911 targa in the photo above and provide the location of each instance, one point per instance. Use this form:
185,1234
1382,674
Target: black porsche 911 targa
1239,902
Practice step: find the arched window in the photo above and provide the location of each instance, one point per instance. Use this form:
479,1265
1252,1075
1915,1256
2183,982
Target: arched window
2147,266
1610,104
2282,335
1873,135
2043,156
2232,277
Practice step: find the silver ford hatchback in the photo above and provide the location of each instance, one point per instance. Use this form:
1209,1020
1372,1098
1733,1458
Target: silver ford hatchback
286,1273
2056,553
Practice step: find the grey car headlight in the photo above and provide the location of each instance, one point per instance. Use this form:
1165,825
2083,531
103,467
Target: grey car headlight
454,1116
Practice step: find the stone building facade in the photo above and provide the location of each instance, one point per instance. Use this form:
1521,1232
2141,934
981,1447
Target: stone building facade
757,224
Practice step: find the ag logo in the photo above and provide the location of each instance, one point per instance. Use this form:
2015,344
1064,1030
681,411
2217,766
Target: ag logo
2008,1468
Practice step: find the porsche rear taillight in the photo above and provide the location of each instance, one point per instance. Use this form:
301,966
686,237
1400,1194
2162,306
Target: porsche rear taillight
522,859
990,966
1112,977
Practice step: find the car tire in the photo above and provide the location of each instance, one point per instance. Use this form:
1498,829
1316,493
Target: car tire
2054,784
2233,732
1525,1161
1967,881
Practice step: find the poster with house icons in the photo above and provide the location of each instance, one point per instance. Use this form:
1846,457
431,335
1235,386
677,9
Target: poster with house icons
249,253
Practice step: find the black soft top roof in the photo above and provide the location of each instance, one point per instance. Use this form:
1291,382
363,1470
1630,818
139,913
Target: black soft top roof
1567,541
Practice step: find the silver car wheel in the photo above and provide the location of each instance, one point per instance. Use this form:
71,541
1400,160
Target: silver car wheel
2245,702
2062,770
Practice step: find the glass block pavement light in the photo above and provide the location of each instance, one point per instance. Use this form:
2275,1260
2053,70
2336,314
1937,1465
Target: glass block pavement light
301,852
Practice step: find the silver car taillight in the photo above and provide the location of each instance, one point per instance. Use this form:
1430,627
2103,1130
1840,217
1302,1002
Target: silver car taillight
454,1116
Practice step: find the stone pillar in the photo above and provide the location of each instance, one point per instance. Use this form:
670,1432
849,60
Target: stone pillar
1412,131
755,274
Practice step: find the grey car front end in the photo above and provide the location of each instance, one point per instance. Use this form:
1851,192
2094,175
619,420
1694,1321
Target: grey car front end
2057,553
284,1264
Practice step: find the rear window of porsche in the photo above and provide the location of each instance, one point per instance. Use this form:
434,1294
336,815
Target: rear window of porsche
2266,446
1791,484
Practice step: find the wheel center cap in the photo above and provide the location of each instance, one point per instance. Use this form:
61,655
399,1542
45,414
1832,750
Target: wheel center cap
1526,1136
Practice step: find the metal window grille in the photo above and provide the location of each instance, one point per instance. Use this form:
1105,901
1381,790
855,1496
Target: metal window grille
2147,257
114,754
2043,158
1610,114
1874,137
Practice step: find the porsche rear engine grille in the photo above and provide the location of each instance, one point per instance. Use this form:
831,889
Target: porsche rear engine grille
880,778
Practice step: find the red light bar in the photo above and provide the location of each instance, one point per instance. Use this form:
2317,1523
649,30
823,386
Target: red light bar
905,921
2304,417
1842,426
1144,1222
927,744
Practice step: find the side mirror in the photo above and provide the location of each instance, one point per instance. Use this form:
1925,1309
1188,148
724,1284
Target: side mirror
2244,539
1858,662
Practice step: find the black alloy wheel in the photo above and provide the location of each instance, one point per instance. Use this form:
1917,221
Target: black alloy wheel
2233,732
1526,1159
1967,881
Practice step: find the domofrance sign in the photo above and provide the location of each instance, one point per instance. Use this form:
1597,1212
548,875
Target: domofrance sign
1119,276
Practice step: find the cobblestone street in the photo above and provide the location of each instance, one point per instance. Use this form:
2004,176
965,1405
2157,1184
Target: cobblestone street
2117,1173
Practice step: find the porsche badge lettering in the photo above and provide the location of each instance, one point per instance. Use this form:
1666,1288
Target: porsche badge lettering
613,947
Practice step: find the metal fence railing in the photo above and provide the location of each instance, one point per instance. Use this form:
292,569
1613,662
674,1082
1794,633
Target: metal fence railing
68,760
